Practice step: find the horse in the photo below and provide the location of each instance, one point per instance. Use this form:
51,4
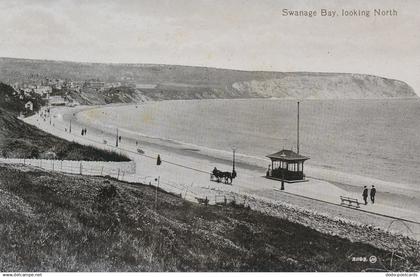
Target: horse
225,175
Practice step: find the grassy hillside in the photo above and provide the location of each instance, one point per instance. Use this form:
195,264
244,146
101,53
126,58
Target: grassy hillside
188,82
20,140
56,222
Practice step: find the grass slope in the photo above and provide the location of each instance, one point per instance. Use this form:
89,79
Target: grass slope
56,222
21,140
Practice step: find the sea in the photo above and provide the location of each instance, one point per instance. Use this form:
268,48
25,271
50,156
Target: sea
373,138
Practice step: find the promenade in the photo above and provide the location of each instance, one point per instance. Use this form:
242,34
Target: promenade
188,175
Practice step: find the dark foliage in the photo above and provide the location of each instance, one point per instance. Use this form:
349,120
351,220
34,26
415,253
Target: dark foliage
14,101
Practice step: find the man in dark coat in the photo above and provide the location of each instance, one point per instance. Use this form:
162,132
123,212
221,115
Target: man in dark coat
365,194
372,194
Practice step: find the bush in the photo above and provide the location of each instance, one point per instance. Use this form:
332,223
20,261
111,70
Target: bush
34,153
107,192
74,151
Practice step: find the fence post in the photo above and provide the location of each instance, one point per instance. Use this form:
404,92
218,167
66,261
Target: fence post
80,168
61,165
118,177
186,191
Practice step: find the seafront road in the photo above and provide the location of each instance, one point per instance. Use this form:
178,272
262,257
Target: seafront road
189,173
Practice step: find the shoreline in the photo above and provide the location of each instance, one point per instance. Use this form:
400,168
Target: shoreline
247,161
181,164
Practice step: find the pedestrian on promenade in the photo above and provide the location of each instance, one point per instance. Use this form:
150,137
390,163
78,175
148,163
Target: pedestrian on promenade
372,194
268,173
365,194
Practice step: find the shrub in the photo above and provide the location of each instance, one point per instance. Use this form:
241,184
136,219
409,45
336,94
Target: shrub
34,153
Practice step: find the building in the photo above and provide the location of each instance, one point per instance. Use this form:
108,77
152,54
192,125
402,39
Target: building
27,91
94,84
57,101
29,106
286,165
43,90
113,85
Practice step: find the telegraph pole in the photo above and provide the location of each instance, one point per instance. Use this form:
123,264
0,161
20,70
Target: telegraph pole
49,106
297,127
282,170
157,187
233,161
70,127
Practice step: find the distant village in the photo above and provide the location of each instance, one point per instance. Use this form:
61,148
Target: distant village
58,92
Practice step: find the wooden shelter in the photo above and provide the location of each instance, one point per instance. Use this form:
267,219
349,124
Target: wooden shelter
286,165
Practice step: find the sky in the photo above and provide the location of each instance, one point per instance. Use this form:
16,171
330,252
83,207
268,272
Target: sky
236,34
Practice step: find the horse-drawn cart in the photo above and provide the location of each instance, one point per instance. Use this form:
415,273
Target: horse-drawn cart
222,176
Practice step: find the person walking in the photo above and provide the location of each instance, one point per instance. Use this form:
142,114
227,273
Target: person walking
268,174
372,194
365,194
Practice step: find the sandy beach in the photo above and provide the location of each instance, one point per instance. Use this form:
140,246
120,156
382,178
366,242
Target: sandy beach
334,133
186,167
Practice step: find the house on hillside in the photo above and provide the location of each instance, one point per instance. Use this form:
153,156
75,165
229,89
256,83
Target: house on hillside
94,84
29,106
43,90
57,101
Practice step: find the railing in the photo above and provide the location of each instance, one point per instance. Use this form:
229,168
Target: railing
93,168
286,174
123,171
